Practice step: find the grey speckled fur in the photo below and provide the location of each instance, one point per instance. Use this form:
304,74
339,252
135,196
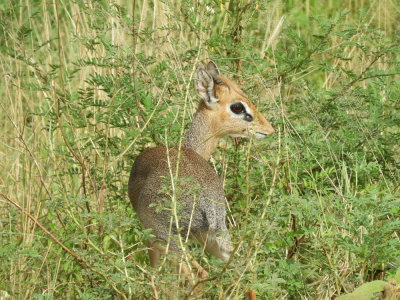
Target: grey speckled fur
208,220
197,129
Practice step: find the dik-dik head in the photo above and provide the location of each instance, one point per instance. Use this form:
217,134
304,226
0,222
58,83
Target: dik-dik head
228,107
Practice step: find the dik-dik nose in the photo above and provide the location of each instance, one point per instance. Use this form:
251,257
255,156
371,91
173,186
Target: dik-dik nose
264,127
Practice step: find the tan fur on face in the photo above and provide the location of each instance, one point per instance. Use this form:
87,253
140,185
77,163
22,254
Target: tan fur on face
229,93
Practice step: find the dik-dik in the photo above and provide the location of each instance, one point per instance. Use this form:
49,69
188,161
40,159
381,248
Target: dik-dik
224,110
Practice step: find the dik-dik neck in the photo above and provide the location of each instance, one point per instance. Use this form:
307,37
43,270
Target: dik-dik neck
200,136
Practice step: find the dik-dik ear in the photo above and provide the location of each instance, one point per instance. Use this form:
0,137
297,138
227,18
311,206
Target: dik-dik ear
204,86
212,69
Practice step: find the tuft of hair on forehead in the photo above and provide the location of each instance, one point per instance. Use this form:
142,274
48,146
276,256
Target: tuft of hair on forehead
231,85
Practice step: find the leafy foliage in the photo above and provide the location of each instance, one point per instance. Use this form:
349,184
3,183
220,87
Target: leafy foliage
314,211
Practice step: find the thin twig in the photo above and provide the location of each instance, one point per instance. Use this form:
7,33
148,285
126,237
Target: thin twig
138,110
80,260
79,159
101,199
21,138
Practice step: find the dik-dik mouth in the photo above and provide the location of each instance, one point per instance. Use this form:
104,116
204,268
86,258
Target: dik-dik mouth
261,135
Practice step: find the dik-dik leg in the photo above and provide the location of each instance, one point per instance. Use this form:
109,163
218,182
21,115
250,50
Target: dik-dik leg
155,250
218,245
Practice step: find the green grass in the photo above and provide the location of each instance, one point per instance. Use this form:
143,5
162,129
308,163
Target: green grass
316,208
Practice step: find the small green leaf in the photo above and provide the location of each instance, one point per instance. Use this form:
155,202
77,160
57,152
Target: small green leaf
371,287
106,242
366,291
29,253
147,101
397,276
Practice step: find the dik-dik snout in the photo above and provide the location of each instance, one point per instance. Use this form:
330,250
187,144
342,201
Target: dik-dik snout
228,107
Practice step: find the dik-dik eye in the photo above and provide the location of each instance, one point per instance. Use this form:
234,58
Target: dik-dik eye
237,108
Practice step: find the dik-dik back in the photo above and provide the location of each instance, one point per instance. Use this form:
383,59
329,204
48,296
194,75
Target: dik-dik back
223,110
199,191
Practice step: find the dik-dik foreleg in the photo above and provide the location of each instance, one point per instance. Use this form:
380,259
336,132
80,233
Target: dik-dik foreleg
156,250
218,244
